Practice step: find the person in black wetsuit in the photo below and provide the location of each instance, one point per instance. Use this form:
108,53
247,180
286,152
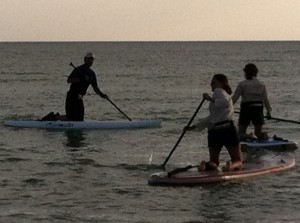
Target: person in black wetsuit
80,79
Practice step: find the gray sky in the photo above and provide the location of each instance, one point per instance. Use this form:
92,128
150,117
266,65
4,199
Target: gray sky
149,20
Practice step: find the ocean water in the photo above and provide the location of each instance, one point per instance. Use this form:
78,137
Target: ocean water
101,176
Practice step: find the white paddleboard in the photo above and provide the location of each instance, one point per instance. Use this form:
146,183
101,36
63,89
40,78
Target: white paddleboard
84,124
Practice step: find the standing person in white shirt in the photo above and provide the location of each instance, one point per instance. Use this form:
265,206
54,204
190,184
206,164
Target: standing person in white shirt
221,129
254,98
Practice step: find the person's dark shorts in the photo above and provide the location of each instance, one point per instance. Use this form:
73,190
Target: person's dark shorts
74,107
252,112
223,134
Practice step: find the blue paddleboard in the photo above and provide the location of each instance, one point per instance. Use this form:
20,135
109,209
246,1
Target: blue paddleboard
273,144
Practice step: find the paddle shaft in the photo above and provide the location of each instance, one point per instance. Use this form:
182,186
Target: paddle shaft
277,119
119,109
182,134
71,64
285,120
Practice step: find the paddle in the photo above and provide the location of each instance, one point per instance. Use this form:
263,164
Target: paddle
181,136
284,120
107,98
182,169
118,109
277,119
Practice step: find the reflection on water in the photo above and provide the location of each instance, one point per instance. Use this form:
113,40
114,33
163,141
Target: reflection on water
218,204
75,139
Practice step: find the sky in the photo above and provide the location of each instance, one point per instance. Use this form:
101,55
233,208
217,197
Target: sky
149,20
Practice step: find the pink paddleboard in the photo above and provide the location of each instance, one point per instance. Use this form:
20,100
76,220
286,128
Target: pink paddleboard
255,167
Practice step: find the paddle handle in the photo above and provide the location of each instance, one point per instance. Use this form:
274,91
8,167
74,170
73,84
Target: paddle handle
72,65
182,134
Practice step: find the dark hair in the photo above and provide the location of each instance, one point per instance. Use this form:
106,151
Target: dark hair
223,80
250,71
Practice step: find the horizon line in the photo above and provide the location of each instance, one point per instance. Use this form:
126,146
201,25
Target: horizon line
113,41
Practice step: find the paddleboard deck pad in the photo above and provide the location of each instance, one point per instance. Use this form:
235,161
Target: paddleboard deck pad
254,167
273,144
134,124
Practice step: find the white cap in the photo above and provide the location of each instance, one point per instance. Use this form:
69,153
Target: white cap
89,55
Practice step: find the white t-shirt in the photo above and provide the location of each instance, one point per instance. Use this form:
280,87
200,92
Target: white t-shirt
220,110
252,90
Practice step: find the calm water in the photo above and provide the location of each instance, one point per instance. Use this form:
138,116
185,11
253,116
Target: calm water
101,176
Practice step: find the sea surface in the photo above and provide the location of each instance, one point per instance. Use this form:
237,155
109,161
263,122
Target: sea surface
101,176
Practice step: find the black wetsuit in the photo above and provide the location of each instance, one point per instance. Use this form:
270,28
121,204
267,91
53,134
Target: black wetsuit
74,103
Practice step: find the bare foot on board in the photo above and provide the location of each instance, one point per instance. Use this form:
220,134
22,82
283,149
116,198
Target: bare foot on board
230,166
206,166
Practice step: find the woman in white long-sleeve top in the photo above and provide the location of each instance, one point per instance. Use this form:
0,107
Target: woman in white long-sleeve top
254,98
221,129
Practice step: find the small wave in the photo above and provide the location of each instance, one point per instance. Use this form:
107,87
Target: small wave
56,193
87,162
64,217
60,164
15,159
120,191
3,150
190,221
141,167
34,181
45,174
21,215
132,167
264,60
90,162
28,73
